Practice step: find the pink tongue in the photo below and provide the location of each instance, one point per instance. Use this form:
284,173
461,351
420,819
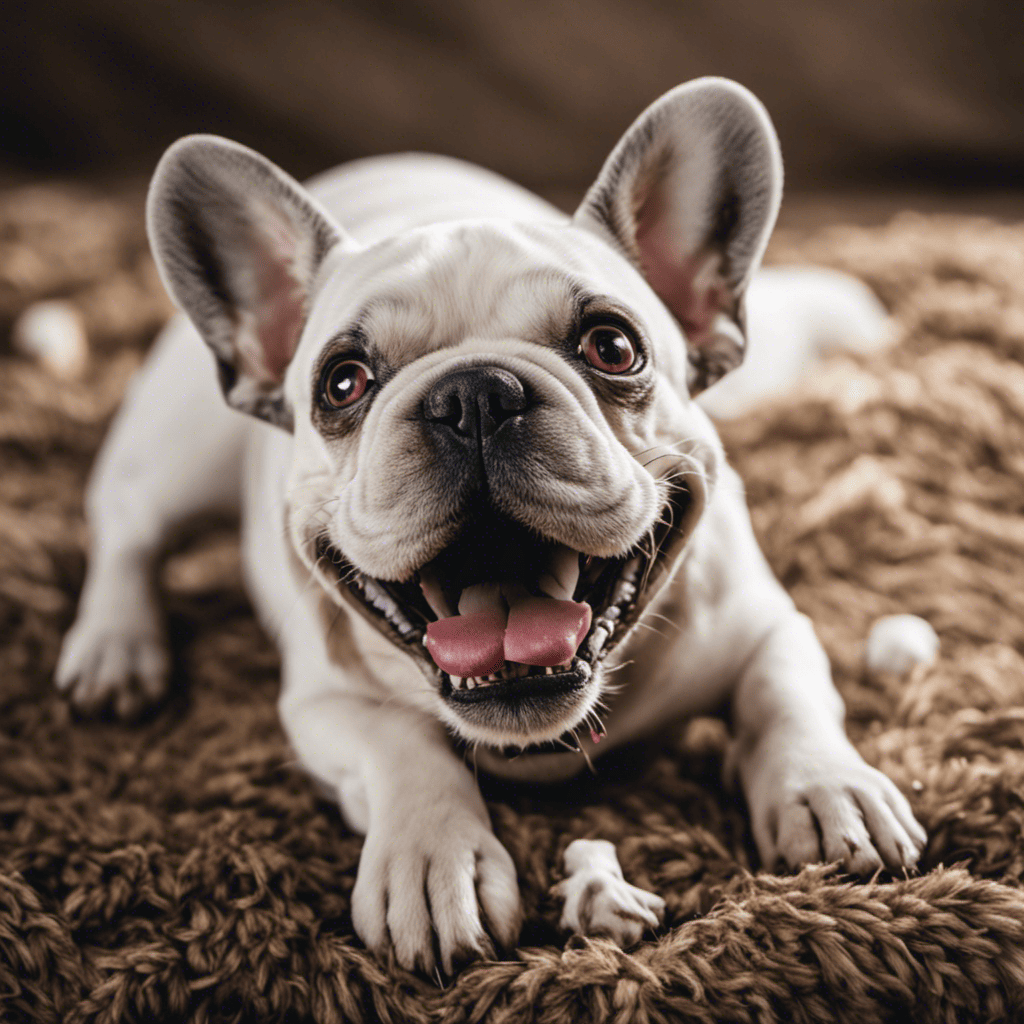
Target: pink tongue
543,631
468,645
538,631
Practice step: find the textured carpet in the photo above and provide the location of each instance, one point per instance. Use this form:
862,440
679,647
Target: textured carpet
185,869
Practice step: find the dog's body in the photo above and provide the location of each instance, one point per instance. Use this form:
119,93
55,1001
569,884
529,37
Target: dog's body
418,362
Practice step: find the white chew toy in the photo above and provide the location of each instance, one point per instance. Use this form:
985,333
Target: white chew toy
53,333
896,643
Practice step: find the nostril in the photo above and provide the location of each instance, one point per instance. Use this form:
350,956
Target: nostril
497,408
443,406
474,402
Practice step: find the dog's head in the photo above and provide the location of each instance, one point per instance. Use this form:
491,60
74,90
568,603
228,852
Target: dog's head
496,456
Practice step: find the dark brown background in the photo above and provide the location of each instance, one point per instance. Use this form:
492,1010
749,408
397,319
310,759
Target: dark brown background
922,96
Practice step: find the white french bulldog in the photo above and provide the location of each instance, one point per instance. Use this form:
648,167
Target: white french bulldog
483,516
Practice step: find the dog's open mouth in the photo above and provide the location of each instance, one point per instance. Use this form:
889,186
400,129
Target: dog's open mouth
502,614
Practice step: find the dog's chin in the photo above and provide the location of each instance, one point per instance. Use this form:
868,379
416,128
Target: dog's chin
518,707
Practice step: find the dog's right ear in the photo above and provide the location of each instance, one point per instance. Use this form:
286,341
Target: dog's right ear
690,196
238,244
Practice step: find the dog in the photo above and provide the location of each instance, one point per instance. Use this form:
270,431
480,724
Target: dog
470,470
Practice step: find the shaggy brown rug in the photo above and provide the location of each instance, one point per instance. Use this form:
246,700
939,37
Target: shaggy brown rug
185,869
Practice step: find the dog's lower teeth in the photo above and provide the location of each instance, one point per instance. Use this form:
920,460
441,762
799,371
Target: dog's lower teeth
597,641
512,670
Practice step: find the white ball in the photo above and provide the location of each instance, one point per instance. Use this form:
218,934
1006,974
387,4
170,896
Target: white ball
53,333
896,643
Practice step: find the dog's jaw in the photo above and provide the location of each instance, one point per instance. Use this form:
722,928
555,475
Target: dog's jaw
529,708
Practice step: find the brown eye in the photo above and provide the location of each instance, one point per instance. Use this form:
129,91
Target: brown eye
608,349
346,382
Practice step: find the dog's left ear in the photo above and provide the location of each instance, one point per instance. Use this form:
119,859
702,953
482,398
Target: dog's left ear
238,243
690,195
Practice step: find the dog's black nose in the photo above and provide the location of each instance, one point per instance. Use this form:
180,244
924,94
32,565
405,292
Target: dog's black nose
475,401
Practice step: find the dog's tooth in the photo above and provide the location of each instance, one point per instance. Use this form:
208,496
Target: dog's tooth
562,574
384,602
630,570
624,591
480,597
434,595
470,683
597,640
548,670
458,682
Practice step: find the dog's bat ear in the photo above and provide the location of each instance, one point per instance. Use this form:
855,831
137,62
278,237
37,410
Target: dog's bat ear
238,244
690,195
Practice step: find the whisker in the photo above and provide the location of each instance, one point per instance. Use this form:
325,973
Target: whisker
663,455
653,629
664,618
666,444
611,669
586,757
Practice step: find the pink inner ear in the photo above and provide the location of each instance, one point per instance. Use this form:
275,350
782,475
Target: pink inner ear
279,317
280,299
673,274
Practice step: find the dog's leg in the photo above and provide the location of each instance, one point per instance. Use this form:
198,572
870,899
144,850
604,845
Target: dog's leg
432,872
174,452
599,901
811,796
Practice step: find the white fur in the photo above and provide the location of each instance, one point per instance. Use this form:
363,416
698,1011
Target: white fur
796,315
448,245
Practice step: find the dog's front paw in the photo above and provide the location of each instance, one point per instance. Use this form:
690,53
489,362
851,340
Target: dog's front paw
434,877
119,663
599,901
812,802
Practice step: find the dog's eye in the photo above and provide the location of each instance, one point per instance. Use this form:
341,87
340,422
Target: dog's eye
346,382
608,349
